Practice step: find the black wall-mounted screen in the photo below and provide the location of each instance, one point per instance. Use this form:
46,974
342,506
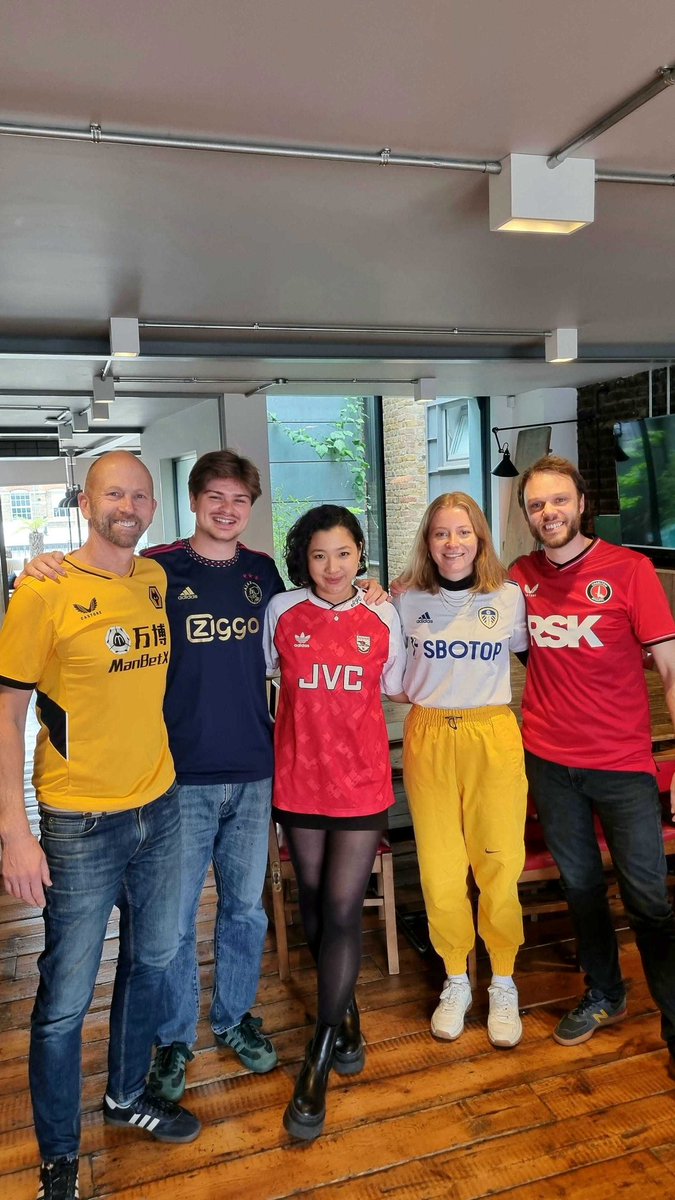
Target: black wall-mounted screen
646,482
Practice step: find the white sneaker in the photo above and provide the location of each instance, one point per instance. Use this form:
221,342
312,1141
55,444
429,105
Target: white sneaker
448,1019
504,1026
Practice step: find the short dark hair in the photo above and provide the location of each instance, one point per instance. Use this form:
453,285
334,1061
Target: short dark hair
552,464
224,464
319,519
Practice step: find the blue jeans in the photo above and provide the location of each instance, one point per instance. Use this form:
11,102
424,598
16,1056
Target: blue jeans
130,859
227,824
628,806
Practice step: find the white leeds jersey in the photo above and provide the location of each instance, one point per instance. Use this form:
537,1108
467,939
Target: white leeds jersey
458,645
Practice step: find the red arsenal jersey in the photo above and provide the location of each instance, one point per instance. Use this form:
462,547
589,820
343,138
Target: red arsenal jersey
585,702
331,747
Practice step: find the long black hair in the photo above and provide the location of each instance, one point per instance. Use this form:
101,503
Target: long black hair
319,519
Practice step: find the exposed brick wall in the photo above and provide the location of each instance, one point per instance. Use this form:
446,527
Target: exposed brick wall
405,474
599,407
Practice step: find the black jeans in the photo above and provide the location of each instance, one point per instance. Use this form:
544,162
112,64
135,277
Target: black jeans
627,804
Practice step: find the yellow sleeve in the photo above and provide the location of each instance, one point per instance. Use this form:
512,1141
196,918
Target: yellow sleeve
26,639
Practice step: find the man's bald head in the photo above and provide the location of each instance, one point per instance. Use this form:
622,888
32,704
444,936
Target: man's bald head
101,468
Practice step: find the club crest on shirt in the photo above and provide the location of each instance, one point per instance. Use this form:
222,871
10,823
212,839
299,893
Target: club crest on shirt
599,591
117,640
488,617
362,643
253,591
155,596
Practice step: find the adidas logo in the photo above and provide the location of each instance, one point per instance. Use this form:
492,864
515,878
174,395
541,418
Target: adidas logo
187,594
425,619
531,591
302,639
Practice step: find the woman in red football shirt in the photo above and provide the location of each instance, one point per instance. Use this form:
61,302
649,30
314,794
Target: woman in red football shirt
332,784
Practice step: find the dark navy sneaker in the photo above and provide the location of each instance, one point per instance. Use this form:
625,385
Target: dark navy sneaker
250,1045
593,1011
162,1119
167,1073
59,1180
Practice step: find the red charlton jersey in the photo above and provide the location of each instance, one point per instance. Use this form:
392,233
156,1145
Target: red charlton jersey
585,702
331,747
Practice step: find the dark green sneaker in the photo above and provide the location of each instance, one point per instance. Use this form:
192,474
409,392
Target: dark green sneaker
250,1045
594,1011
167,1073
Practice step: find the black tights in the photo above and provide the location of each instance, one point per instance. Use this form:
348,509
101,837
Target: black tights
332,867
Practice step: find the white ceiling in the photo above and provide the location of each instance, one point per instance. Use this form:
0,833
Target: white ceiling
87,231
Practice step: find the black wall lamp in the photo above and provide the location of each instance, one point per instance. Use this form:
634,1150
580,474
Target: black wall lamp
506,469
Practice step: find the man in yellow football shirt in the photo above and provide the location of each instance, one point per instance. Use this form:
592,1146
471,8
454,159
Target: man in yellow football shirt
95,648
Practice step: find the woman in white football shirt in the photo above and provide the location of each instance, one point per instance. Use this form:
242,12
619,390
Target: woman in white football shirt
462,753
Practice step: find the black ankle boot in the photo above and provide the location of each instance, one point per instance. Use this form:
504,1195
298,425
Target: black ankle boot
350,1048
305,1115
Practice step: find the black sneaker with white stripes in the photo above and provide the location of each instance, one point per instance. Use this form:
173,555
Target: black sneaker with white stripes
59,1180
162,1119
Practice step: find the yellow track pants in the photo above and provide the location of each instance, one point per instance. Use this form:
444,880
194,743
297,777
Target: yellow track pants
465,781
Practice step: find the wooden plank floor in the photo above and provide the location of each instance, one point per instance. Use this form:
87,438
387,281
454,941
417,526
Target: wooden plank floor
426,1119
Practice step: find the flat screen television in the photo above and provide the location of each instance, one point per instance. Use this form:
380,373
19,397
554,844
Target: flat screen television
646,484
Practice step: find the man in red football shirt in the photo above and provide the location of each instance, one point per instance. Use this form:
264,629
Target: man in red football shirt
592,608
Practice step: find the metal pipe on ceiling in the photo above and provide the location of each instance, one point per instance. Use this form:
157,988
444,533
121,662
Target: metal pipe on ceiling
665,77
385,157
378,330
634,177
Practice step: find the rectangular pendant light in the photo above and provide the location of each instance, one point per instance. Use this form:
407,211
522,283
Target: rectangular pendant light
531,197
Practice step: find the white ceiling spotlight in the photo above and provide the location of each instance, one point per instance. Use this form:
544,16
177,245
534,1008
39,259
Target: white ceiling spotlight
124,337
529,197
560,345
424,389
104,396
64,429
80,422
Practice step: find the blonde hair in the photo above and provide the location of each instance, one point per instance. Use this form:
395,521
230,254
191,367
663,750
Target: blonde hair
420,571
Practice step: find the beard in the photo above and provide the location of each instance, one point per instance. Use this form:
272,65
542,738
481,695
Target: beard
117,535
561,537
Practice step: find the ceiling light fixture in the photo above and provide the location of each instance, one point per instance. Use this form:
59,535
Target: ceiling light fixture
561,345
124,337
103,397
425,390
530,198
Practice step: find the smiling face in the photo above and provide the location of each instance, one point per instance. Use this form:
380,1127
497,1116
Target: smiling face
553,509
222,511
118,500
333,559
452,543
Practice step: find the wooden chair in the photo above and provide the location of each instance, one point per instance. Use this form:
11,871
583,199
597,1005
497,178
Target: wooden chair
280,875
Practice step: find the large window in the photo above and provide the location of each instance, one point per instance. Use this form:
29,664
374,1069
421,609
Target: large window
327,450
21,506
454,447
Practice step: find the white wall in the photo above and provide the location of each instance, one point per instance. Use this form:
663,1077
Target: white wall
245,430
236,421
529,408
196,429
